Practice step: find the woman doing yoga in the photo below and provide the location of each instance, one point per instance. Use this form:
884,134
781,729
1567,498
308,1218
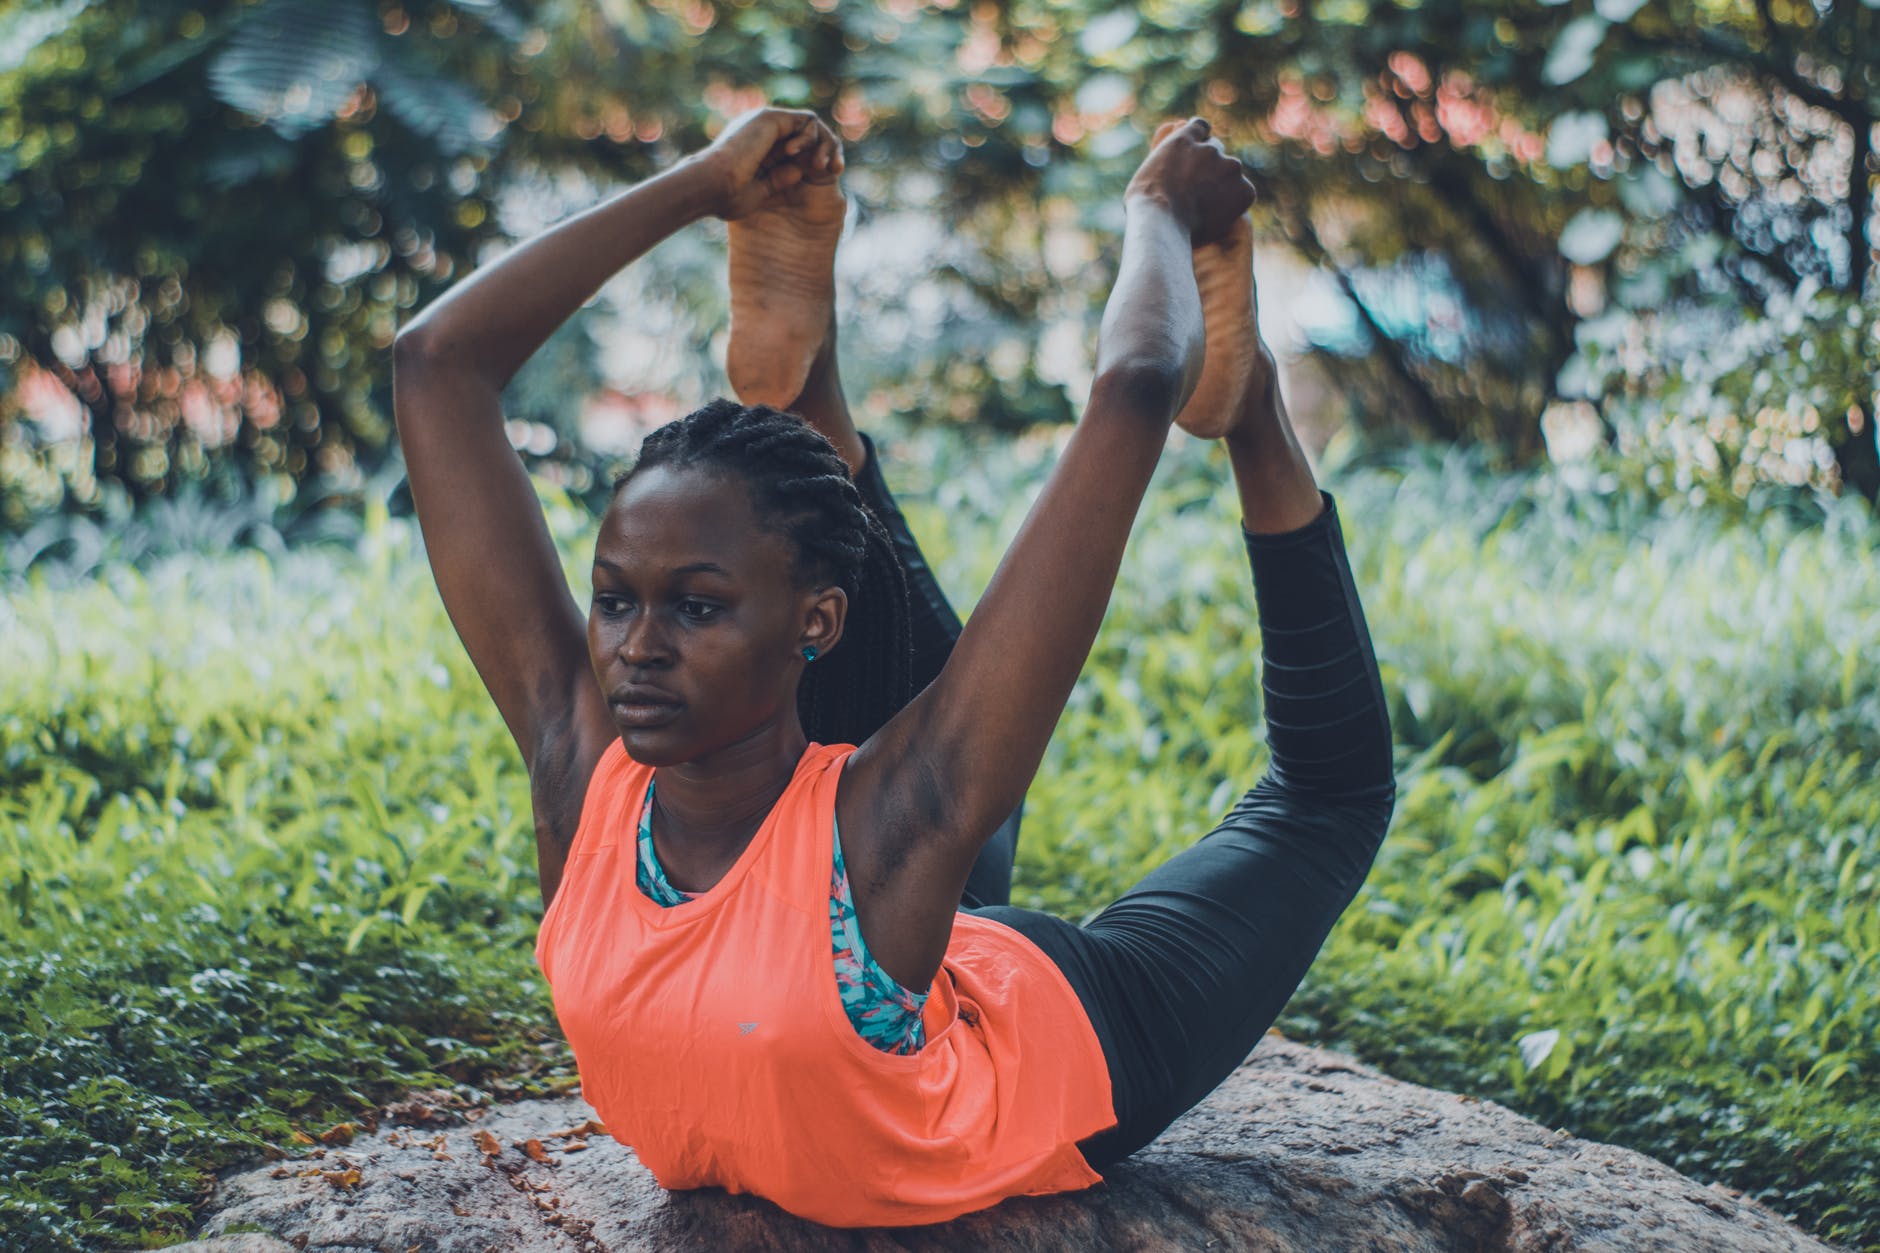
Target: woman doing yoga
774,792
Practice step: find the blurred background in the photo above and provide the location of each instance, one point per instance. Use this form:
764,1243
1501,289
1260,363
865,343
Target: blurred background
1632,234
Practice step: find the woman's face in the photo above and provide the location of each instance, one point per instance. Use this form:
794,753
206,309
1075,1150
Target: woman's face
697,624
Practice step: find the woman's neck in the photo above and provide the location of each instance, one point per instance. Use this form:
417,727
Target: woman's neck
706,811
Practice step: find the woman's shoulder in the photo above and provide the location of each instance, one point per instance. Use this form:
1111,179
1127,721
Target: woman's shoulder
615,777
819,773
818,757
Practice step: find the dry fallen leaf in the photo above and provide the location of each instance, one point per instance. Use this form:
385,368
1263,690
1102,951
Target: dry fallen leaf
339,1133
588,1128
534,1150
490,1145
574,1146
301,1137
342,1178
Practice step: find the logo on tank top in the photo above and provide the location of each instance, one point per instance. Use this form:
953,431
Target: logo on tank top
745,1028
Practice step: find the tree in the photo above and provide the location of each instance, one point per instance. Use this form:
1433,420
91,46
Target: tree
1480,176
198,234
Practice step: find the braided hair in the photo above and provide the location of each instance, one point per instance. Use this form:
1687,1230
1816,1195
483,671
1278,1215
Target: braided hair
801,487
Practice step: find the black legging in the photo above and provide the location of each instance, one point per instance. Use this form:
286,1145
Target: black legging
935,627
1184,973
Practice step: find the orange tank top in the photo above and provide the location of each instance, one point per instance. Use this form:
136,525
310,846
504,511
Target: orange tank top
711,1038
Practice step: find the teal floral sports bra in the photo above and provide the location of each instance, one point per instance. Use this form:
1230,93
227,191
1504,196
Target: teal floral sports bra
885,1014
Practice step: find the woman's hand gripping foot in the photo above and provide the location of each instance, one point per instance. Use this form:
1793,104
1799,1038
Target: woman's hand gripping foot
785,209
1235,363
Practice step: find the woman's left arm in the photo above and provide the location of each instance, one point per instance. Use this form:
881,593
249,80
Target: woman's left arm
924,792
489,548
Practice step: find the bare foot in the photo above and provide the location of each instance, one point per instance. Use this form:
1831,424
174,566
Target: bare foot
1235,361
783,292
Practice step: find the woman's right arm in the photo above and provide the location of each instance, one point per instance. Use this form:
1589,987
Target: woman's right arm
488,542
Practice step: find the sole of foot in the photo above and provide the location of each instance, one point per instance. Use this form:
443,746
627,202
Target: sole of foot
783,292
1230,317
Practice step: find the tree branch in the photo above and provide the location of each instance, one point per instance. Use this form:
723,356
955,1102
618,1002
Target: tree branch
1859,181
1299,230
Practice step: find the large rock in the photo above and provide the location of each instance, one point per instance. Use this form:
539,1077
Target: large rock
1300,1149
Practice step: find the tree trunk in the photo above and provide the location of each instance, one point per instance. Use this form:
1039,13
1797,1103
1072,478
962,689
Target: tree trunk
1859,177
1860,202
1858,456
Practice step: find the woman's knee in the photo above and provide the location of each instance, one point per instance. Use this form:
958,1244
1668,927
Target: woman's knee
1333,840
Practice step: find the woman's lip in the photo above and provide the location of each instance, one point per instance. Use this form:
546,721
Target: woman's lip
644,713
641,694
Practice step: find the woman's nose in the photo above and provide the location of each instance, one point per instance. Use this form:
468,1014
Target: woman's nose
644,642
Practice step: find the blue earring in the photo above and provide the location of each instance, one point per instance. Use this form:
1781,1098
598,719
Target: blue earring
809,653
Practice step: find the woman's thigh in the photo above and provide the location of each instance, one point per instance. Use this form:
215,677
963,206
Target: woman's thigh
1184,973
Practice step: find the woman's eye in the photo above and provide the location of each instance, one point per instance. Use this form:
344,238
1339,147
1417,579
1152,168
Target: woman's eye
697,610
610,606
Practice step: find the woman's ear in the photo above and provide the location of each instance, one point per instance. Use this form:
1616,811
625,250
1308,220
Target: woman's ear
823,619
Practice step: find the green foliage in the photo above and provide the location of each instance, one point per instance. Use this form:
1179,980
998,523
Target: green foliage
273,863
259,873
216,291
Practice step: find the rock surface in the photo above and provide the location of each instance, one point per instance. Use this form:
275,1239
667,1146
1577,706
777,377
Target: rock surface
1300,1149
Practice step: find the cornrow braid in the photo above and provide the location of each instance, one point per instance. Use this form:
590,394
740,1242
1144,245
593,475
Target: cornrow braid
801,487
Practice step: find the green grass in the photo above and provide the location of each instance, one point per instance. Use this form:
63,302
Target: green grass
265,854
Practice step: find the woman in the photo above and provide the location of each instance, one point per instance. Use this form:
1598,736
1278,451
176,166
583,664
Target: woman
755,935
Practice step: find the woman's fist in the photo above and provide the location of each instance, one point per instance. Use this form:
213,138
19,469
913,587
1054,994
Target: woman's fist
763,154
1191,175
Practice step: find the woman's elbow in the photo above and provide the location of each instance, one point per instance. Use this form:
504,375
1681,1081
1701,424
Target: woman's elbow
414,349
1151,385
